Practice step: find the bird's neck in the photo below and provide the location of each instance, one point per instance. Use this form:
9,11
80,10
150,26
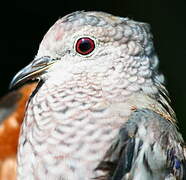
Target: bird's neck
129,93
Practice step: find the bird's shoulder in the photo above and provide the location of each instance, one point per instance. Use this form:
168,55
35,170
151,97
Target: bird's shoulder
148,146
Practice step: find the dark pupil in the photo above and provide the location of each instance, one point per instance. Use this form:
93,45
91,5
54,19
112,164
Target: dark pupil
85,45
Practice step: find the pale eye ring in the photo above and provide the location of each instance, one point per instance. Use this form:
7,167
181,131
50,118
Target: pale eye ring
85,45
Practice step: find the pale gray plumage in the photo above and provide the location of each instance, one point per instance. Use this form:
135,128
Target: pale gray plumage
104,115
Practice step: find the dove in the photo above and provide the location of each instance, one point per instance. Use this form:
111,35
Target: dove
101,109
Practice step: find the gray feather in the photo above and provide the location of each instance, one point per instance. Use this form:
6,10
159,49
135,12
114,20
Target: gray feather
142,152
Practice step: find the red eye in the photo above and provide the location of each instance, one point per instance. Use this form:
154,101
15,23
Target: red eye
85,45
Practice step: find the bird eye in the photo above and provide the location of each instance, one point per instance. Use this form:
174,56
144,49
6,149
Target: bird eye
85,45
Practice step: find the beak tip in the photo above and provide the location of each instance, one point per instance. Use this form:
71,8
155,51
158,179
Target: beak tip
17,79
13,83
10,87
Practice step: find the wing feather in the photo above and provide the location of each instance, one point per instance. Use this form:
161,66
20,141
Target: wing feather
148,146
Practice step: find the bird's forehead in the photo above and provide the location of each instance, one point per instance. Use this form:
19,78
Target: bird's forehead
90,22
93,18
76,20
104,26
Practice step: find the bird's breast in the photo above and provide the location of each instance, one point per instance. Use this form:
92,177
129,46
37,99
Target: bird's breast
67,131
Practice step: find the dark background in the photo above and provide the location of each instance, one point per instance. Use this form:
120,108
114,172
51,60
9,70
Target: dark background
24,26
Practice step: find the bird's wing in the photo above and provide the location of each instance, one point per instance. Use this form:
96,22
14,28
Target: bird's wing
148,147
12,108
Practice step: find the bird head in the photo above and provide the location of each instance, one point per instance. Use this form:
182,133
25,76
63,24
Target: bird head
117,49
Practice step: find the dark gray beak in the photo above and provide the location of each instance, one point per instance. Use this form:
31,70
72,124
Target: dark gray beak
32,71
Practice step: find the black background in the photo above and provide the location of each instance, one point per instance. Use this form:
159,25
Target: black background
25,24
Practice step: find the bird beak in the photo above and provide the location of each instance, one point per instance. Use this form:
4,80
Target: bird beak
32,71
